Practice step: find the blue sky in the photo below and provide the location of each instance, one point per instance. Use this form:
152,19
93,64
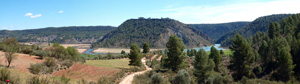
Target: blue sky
32,14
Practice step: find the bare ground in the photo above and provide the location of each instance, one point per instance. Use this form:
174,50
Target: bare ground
22,61
88,72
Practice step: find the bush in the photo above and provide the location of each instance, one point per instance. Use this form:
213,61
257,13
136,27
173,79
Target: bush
67,63
36,68
50,62
215,79
64,80
4,74
182,77
40,53
27,50
37,80
156,79
104,80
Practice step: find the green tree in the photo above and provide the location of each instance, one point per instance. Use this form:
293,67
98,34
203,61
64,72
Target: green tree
156,79
286,65
123,52
203,66
175,53
242,58
222,52
135,55
146,48
182,77
274,30
109,55
215,55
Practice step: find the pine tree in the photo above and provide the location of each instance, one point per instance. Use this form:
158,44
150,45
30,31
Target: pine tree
286,65
135,55
175,53
146,48
215,55
242,58
274,30
203,66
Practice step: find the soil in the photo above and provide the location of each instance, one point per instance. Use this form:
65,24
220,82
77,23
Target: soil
22,61
88,72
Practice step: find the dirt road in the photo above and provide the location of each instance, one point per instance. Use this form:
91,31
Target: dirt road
128,79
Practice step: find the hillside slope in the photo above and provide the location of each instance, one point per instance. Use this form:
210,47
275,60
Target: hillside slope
215,31
156,32
259,24
72,34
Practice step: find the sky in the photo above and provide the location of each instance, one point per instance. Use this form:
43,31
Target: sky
33,14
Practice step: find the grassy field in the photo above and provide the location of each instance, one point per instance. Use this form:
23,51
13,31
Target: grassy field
226,52
114,63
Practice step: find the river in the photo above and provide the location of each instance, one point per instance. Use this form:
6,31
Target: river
206,48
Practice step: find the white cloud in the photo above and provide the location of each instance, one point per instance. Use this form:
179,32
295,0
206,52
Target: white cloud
228,13
36,16
60,11
28,14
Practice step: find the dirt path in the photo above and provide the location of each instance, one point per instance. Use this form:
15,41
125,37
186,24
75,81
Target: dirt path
128,79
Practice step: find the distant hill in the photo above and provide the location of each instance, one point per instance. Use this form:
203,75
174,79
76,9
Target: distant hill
156,32
215,31
72,34
259,24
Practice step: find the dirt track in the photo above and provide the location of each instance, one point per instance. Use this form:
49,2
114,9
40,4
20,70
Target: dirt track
128,79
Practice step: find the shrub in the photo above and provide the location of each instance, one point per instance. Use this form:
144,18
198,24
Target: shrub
156,79
215,79
37,80
40,53
4,74
64,80
36,68
27,50
182,77
67,63
104,80
50,62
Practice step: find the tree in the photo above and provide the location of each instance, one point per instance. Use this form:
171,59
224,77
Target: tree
203,66
215,55
135,55
175,53
222,52
109,55
274,30
9,55
123,52
242,58
286,65
146,48
182,77
11,47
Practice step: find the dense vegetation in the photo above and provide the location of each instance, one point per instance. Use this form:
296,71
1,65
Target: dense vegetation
72,34
215,31
260,24
266,58
153,31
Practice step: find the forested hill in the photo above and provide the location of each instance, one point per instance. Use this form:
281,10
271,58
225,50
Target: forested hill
215,31
156,32
259,24
72,34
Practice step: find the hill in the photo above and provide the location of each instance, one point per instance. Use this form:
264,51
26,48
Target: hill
156,32
72,34
259,24
215,31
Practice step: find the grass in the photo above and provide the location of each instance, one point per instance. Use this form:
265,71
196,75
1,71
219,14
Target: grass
114,63
226,52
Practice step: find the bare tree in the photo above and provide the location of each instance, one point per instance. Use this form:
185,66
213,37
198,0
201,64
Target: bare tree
10,56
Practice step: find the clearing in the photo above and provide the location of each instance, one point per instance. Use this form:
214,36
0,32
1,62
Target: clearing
92,70
117,50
